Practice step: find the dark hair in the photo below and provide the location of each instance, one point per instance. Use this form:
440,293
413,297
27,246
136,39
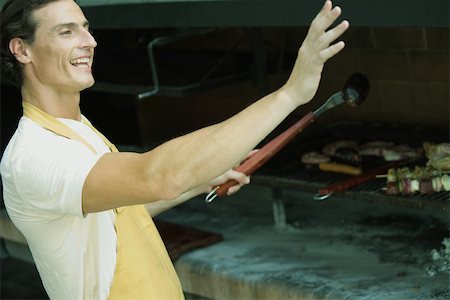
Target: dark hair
16,21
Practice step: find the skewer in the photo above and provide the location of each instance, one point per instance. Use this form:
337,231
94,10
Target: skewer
381,176
385,175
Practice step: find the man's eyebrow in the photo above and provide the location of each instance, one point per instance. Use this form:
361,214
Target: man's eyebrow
69,25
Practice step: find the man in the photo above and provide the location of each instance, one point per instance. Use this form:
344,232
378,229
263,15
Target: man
69,191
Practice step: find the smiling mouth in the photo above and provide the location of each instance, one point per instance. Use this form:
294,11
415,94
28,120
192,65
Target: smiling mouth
80,62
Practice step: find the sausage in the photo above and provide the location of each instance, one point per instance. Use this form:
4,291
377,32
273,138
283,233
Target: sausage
340,168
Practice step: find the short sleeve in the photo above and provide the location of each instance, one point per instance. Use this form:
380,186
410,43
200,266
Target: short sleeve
50,178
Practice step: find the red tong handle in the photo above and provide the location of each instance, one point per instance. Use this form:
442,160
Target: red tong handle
348,183
258,159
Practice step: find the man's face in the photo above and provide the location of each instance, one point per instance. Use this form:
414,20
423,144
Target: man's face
63,49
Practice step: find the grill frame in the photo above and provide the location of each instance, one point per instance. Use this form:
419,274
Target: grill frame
286,171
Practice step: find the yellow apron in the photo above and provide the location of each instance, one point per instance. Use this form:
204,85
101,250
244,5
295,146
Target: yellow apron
143,267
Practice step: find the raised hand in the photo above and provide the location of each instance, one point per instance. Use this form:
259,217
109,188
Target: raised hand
315,50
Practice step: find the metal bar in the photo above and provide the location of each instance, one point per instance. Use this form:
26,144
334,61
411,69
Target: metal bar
279,212
263,13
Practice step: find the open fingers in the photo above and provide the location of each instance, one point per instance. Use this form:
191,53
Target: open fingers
335,32
324,19
331,51
329,37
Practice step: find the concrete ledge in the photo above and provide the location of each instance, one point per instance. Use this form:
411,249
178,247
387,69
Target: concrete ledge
334,249
214,284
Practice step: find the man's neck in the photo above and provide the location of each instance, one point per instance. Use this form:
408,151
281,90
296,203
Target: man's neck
56,103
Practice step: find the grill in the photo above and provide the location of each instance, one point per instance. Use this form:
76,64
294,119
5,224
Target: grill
287,171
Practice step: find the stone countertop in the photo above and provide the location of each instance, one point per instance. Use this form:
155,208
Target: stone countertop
333,249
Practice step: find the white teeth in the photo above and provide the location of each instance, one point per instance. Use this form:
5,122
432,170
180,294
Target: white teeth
78,61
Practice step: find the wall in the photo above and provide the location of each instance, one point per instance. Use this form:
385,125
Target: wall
408,69
409,73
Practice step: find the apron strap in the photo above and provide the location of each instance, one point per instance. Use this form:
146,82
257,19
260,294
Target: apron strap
110,145
52,124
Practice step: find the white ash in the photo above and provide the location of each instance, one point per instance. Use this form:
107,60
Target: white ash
441,259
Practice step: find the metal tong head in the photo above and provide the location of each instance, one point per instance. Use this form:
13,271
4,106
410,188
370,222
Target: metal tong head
356,89
354,93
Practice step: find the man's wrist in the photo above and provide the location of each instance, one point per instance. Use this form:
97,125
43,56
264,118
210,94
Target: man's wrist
288,99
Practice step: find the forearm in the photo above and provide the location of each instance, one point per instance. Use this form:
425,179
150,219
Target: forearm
160,206
157,207
196,158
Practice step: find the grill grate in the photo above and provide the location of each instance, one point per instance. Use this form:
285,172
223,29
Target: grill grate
285,170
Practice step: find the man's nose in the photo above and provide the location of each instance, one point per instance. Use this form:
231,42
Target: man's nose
88,39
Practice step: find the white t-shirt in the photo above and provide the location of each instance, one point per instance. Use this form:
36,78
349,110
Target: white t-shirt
43,176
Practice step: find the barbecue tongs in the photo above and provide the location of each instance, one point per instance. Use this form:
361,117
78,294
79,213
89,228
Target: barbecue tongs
354,93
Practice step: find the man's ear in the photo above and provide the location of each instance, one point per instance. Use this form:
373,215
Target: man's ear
19,49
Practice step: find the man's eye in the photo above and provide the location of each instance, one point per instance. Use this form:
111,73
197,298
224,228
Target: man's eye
66,32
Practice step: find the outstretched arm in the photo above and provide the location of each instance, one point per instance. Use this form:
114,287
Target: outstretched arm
191,161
